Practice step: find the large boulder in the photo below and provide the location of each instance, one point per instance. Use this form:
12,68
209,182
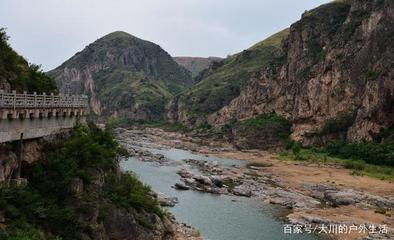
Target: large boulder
203,180
242,191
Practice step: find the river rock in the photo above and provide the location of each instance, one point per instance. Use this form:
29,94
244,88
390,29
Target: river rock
184,173
338,198
181,186
166,201
242,191
350,196
189,181
203,180
217,181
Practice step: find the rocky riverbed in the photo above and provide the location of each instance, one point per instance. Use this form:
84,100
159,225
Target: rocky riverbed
313,200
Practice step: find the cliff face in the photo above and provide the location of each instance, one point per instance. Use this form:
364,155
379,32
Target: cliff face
333,76
8,159
196,64
123,76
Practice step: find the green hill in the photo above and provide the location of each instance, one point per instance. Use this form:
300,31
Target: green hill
221,83
124,76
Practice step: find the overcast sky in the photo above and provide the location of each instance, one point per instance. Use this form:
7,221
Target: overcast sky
48,32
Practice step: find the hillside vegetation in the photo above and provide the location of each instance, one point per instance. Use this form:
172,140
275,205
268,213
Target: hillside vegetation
221,83
76,191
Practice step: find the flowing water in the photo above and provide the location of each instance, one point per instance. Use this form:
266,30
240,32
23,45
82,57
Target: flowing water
217,217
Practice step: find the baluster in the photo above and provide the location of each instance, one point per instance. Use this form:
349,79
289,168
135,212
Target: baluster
35,99
52,100
14,102
24,99
2,98
44,101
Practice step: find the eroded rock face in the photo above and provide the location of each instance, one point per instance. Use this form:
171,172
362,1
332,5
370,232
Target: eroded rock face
337,60
8,158
8,162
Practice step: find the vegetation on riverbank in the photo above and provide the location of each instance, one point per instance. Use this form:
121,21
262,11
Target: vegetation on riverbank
77,178
366,158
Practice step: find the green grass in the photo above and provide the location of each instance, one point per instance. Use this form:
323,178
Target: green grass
264,120
280,126
356,167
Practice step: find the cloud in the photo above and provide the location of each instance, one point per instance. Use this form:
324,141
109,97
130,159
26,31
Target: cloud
48,32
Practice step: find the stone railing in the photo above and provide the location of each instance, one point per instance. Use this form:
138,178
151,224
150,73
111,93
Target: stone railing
24,100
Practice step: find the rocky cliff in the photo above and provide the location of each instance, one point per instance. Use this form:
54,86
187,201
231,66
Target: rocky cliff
124,76
196,64
332,78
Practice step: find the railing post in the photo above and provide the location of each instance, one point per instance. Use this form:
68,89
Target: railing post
25,99
44,101
52,100
35,99
2,98
14,102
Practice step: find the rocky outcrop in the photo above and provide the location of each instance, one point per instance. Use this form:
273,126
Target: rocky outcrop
110,221
8,162
32,152
124,77
335,68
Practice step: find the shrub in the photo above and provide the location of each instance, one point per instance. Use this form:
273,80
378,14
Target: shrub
339,124
205,126
280,125
296,149
22,232
372,75
25,207
128,192
352,164
370,152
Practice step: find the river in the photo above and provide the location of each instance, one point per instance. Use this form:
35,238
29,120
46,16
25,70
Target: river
217,217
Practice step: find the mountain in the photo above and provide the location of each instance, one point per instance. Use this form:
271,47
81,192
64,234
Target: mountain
333,78
223,81
196,64
124,76
17,74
